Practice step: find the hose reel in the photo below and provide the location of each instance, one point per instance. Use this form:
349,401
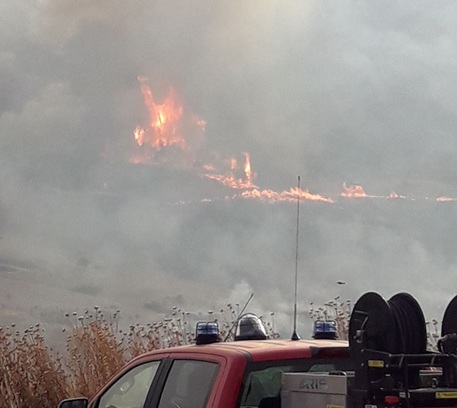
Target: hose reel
448,341
388,341
394,326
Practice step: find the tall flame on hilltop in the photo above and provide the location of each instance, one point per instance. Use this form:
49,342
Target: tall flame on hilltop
164,121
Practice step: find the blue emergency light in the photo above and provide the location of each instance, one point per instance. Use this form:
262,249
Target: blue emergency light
207,332
325,329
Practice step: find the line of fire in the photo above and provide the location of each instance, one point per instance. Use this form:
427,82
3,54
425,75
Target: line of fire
168,122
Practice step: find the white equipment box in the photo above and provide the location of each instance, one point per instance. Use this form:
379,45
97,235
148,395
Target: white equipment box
314,390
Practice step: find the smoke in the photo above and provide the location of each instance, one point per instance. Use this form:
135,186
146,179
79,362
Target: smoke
334,92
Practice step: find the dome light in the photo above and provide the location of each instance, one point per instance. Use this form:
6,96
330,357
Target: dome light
250,327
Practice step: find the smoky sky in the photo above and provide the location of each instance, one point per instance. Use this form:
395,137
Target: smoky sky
346,91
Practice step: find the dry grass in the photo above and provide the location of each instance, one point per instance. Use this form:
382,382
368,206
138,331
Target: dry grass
29,374
32,375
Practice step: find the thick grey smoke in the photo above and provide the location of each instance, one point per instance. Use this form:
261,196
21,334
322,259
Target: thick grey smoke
336,92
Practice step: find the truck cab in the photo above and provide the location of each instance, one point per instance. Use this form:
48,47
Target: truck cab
244,373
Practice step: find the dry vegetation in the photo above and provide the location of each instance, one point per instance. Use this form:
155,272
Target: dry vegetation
33,375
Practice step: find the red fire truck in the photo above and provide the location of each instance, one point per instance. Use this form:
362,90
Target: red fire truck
385,363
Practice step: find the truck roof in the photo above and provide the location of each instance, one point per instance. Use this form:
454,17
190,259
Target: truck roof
264,350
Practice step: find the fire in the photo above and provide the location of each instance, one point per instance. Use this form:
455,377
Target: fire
306,195
252,191
164,131
237,178
395,195
166,128
445,199
353,191
237,184
291,196
247,167
139,135
164,121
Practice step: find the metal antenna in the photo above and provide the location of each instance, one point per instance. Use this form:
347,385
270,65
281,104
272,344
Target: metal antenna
295,335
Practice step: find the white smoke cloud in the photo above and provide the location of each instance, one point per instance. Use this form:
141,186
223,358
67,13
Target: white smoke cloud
334,92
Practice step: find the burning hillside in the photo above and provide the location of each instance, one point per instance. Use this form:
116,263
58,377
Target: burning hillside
174,138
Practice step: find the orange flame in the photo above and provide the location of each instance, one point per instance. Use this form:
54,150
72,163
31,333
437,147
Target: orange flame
164,121
247,168
353,191
445,199
139,135
232,179
395,195
290,195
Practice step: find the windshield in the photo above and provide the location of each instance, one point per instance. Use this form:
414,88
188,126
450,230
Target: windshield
262,381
